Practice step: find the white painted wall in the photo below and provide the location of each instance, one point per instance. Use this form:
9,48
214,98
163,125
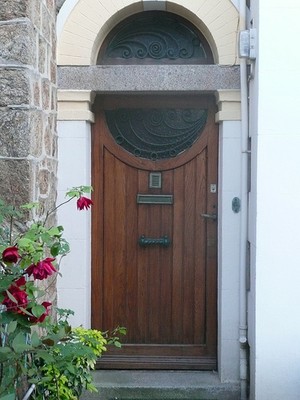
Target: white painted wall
275,215
74,170
228,250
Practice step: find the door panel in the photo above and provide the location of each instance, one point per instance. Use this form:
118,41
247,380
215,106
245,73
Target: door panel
165,296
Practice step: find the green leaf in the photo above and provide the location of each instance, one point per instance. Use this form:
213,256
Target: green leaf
122,330
19,343
71,369
64,247
54,231
72,193
30,206
5,353
5,282
55,248
48,342
45,355
10,396
31,372
86,189
7,317
25,311
37,310
5,350
35,340
26,244
46,237
90,387
11,327
11,297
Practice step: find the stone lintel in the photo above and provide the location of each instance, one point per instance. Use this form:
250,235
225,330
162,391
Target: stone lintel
107,79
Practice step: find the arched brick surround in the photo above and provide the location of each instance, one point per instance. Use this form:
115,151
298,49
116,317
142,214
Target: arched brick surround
90,21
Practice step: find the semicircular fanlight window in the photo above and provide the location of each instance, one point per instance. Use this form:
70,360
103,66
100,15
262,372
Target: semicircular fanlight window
155,37
156,134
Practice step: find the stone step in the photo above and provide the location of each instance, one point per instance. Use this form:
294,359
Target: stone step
161,385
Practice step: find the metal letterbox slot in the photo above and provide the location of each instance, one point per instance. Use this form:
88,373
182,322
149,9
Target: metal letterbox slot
154,199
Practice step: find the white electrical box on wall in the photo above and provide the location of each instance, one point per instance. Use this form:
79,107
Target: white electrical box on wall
247,44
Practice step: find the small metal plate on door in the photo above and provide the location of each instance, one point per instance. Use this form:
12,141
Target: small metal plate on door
155,180
213,188
154,198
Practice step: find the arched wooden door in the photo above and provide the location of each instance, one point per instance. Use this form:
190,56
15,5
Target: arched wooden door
154,232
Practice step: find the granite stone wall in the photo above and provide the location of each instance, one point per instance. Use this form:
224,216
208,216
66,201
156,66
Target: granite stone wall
28,139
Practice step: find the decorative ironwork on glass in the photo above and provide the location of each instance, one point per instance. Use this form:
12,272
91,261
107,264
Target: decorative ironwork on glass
157,36
156,134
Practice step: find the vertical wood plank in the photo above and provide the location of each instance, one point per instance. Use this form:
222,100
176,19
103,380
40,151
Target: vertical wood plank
189,247
200,250
178,256
132,267
165,298
119,240
109,224
143,265
97,224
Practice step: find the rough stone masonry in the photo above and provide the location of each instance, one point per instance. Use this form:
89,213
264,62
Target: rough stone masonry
28,139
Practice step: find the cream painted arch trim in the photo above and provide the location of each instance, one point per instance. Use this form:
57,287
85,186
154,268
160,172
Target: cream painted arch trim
229,105
90,20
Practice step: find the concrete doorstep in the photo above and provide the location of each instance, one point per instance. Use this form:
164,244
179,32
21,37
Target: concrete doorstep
161,385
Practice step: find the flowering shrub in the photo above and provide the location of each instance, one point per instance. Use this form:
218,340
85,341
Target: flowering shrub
54,359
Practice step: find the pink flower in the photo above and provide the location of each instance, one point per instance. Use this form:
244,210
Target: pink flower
42,269
19,295
84,202
42,317
10,254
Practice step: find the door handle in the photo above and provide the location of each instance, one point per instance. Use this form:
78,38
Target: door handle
210,216
147,241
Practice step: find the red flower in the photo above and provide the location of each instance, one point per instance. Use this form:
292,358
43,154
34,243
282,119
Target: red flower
42,269
21,281
10,254
19,295
84,202
42,317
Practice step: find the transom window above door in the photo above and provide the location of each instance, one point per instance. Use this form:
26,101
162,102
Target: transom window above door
155,37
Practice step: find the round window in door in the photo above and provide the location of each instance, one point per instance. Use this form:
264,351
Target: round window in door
156,134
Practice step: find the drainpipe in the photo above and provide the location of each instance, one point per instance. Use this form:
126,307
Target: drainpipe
29,392
244,213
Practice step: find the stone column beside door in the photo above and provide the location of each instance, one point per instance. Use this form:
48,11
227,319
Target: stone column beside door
28,139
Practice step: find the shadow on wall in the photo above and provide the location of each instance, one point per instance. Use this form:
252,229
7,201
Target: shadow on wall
59,4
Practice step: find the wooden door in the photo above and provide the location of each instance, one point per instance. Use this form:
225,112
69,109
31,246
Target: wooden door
153,251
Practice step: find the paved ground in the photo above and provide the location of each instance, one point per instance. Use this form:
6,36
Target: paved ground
161,385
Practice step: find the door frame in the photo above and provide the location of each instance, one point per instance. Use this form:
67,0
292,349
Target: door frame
110,102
